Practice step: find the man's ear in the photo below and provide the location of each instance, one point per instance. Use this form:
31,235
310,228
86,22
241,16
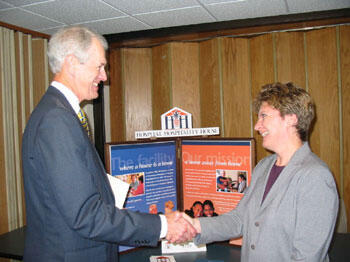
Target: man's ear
70,62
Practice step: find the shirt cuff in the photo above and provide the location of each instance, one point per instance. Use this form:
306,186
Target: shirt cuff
164,226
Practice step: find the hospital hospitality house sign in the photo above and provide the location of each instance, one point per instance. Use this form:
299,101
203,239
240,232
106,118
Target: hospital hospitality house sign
177,122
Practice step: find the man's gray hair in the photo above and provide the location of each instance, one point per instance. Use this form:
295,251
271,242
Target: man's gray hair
74,40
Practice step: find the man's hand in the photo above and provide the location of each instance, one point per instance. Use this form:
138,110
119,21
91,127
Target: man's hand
179,229
194,222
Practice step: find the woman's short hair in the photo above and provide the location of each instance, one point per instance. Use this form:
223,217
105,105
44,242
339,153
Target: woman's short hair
74,40
289,99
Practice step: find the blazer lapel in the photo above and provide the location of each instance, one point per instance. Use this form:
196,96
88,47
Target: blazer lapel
280,185
284,179
261,184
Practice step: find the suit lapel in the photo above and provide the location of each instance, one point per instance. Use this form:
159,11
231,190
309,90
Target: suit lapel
61,101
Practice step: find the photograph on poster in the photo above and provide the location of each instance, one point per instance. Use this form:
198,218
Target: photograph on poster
168,208
136,182
231,180
202,209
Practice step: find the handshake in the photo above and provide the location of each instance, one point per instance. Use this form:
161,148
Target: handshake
181,227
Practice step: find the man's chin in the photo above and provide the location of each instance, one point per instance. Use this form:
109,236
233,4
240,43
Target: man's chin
94,94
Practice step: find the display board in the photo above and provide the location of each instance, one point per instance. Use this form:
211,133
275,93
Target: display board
215,174
150,169
175,174
216,170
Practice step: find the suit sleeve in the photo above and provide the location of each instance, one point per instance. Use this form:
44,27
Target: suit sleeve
75,185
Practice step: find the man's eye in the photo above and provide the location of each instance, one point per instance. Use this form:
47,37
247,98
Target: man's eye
100,68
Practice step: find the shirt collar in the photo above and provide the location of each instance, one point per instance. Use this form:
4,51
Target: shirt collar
68,94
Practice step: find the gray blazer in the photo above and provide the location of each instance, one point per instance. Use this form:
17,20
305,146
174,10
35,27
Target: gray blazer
295,221
69,203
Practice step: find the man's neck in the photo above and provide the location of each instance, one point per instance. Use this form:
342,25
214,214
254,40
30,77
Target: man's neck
67,82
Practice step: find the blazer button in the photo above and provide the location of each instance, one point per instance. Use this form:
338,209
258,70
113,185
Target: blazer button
256,224
252,246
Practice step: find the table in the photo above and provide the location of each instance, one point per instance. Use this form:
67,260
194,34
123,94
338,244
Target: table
215,252
12,246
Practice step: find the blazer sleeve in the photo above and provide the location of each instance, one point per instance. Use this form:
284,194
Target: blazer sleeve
317,209
225,226
77,190
231,224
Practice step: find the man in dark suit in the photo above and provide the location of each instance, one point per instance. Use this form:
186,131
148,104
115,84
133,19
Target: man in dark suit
70,207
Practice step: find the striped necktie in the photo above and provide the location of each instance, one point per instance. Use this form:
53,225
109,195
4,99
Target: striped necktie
84,121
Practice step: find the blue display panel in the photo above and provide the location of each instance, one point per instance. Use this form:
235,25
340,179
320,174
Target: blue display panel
150,169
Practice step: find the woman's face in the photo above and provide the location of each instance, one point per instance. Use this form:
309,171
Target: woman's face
271,126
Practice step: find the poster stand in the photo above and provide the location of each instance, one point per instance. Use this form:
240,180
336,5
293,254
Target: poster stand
178,172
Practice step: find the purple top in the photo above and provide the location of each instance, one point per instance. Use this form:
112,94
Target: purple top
274,173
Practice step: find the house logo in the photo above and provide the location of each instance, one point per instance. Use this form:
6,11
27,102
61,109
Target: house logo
176,118
176,123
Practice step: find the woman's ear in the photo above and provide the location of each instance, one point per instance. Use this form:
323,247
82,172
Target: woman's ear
292,119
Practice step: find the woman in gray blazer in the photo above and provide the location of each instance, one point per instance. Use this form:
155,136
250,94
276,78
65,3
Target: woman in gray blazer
289,210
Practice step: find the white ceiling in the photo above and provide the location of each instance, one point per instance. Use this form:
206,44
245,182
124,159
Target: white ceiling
118,16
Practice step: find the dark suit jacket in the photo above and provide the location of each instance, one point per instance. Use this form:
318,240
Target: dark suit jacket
69,203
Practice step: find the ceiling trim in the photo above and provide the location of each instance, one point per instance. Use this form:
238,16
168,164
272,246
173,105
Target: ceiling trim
24,30
200,32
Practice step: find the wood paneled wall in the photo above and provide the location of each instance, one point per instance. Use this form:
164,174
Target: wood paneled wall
20,54
216,80
344,138
321,48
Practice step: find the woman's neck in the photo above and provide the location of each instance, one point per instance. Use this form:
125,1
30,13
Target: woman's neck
287,152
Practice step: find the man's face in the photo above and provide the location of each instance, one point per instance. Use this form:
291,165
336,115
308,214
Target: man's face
89,74
208,211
